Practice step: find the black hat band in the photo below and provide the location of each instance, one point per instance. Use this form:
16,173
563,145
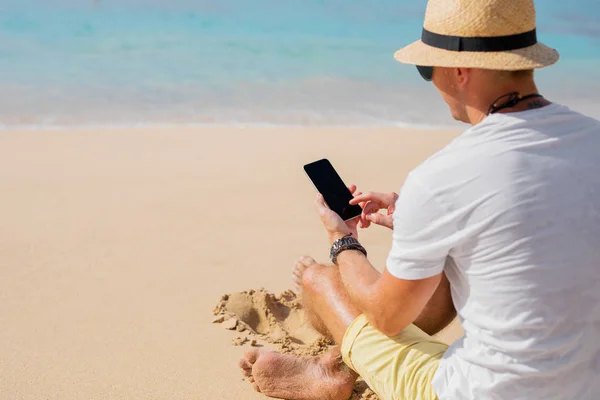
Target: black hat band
479,44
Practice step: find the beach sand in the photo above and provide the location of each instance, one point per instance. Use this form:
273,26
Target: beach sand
116,245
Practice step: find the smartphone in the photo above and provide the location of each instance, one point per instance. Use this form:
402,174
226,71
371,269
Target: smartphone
330,185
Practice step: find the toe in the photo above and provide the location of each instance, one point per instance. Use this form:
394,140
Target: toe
297,270
255,386
296,273
266,364
303,263
307,261
251,356
246,367
297,280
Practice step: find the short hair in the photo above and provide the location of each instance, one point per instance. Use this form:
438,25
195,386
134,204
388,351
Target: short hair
524,73
515,75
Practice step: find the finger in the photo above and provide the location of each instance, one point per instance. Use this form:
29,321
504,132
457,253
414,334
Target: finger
371,207
364,221
368,209
362,204
375,218
392,207
352,188
357,199
367,196
355,194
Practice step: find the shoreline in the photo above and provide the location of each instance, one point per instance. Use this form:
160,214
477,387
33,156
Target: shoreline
451,126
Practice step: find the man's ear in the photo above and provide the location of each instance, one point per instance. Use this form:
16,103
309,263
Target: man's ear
462,76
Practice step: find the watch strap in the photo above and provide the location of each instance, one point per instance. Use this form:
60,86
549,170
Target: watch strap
343,244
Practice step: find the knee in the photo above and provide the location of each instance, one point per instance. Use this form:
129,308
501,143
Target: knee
317,278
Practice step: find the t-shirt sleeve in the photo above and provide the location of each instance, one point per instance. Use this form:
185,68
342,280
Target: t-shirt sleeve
424,233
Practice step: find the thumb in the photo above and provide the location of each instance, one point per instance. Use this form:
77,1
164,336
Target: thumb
320,204
380,219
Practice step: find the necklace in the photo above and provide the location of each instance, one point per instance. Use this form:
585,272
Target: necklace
514,98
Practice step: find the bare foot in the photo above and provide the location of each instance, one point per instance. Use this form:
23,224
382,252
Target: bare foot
290,377
298,270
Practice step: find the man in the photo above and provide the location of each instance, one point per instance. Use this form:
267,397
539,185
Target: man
502,225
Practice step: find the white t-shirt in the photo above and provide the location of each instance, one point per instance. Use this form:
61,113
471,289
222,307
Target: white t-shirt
514,202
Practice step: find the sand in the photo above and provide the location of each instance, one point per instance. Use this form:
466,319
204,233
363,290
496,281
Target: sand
116,245
266,318
279,321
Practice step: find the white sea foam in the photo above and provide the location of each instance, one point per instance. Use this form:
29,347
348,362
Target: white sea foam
67,63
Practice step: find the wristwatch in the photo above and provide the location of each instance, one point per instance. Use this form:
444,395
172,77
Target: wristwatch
343,244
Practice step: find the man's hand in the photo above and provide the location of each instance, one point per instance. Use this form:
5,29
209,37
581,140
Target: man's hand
335,225
371,203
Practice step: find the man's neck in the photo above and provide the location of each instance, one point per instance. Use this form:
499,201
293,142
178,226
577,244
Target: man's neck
480,104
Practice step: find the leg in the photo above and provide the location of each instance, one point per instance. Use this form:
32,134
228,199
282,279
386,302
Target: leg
324,298
401,367
290,377
437,314
315,378
297,277
332,305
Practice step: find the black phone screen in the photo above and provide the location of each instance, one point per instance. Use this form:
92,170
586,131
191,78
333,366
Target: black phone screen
330,185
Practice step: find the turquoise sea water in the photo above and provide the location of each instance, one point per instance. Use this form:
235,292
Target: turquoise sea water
309,62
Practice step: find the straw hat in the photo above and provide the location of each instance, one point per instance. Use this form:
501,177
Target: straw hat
489,34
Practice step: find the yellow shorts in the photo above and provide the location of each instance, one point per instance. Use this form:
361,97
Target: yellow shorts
398,368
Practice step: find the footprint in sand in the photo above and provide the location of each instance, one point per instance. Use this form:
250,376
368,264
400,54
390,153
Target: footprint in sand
275,319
